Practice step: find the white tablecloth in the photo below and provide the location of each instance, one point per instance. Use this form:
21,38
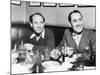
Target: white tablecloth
50,66
19,68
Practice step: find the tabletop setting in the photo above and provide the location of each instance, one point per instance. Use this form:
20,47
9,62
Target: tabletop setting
25,60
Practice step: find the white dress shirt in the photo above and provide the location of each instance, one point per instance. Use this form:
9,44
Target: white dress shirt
38,37
77,38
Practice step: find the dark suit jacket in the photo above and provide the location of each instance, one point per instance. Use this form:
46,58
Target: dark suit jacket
88,39
46,42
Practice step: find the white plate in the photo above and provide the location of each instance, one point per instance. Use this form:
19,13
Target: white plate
48,64
53,69
53,66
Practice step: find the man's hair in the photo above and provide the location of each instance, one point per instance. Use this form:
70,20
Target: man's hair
31,16
75,11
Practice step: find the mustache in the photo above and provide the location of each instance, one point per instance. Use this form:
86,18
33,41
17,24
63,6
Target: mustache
40,27
78,25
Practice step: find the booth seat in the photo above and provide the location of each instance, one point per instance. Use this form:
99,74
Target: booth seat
18,30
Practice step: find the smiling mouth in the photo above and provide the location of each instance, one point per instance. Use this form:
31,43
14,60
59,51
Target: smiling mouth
39,29
79,26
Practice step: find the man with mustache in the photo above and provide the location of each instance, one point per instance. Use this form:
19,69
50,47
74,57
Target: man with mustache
77,38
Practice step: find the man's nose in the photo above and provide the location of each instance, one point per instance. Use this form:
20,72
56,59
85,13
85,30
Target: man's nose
39,24
78,23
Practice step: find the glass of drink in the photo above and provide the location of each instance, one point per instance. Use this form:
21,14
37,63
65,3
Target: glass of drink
47,54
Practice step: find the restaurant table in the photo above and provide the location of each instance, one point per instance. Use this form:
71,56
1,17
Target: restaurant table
40,66
50,66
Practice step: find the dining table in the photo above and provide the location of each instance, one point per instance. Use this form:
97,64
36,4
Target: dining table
46,67
44,63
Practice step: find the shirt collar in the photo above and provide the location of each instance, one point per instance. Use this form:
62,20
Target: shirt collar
42,34
76,34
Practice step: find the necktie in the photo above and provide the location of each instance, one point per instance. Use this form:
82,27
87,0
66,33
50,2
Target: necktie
76,39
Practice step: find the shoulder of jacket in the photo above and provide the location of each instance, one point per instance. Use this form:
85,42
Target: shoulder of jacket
67,31
90,33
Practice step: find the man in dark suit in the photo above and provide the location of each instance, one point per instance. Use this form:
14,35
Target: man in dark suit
81,40
36,43
40,37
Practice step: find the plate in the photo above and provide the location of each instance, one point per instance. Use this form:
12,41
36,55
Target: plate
49,64
53,66
66,66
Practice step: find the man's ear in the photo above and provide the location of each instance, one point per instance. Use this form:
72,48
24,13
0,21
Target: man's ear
30,24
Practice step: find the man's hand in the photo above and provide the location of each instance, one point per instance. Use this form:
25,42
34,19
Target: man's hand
28,46
75,57
55,53
67,50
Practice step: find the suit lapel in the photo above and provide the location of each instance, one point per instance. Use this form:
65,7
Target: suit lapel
72,41
82,41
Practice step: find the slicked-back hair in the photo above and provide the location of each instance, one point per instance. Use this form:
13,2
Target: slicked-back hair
31,16
75,11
